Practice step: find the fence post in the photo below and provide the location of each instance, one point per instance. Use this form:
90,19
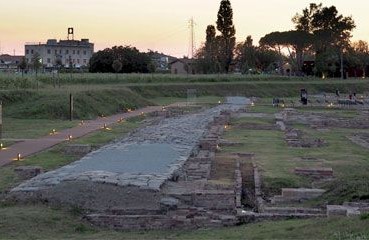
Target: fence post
71,107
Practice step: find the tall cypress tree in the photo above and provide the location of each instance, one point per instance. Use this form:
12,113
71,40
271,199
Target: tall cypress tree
227,40
211,49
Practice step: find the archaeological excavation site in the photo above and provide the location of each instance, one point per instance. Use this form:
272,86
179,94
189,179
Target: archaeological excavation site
190,167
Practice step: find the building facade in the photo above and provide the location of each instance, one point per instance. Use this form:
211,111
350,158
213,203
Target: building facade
67,53
8,62
183,66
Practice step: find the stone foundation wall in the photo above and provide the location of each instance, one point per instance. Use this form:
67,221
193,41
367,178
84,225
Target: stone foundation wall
92,196
209,199
347,209
290,195
238,186
79,150
185,219
209,144
317,173
258,194
28,172
251,217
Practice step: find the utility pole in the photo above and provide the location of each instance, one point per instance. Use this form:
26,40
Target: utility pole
192,37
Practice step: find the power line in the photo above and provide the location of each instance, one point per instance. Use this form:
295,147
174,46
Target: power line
167,35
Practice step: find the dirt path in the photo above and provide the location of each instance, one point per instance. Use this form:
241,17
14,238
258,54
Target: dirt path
32,146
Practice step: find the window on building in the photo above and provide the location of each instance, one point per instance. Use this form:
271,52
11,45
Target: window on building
74,51
31,51
60,52
56,52
66,51
78,52
84,52
85,61
78,61
48,60
48,51
27,51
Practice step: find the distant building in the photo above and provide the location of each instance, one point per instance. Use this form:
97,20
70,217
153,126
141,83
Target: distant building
8,62
161,61
66,52
183,66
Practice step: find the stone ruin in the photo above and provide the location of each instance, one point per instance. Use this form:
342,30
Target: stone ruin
188,201
290,195
182,197
348,209
361,139
78,150
324,120
315,173
295,137
281,206
28,172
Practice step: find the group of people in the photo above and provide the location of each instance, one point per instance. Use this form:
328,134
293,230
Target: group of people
351,97
304,98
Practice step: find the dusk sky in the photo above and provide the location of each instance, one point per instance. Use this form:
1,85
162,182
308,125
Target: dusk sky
160,25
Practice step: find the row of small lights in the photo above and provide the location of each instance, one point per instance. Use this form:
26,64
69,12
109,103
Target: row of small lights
252,103
69,138
324,77
330,105
2,148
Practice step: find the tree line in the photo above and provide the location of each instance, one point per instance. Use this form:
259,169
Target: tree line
321,36
121,59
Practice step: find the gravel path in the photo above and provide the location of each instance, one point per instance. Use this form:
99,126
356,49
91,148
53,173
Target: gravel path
146,158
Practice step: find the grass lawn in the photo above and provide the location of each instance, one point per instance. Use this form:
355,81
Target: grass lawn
32,128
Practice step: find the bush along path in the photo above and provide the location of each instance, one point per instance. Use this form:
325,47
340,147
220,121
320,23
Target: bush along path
26,148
